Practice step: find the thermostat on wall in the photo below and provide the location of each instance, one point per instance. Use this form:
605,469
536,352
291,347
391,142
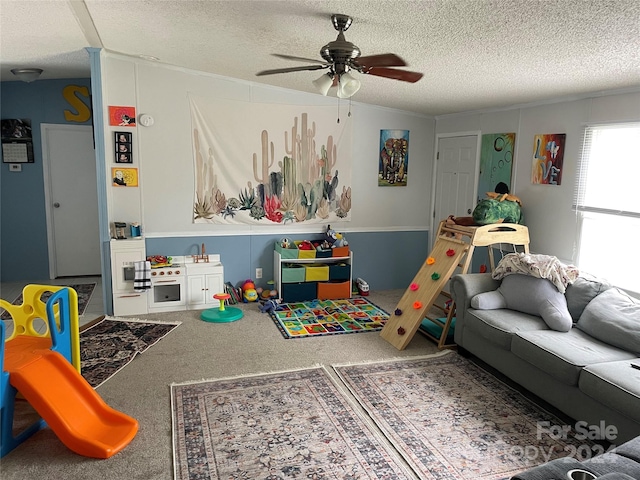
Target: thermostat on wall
146,120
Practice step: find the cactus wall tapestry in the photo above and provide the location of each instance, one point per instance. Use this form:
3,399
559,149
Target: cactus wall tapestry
393,164
269,164
548,157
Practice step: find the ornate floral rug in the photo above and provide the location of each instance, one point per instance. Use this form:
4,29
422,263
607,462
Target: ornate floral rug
328,317
109,345
452,420
84,290
296,424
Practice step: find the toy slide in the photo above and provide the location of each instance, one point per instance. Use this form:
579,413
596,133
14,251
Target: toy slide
69,405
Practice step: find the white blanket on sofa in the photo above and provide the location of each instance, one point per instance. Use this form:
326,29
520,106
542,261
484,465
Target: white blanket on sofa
537,265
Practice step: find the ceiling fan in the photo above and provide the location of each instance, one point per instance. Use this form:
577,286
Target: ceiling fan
340,57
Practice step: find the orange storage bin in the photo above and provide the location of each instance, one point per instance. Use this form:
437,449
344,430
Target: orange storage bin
334,290
340,252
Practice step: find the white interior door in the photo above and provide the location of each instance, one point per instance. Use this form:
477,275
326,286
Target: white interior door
71,193
456,178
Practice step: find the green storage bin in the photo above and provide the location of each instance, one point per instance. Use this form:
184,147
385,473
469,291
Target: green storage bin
287,253
293,273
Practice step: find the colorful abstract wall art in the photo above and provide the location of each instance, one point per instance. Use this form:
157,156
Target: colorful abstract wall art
548,156
122,116
269,164
496,161
124,177
393,162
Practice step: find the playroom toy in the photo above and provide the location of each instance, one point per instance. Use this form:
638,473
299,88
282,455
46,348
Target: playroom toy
452,253
363,287
221,314
42,367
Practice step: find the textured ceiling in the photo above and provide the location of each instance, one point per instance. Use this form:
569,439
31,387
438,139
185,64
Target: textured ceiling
474,54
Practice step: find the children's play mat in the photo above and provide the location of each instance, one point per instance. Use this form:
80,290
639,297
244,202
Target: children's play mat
328,317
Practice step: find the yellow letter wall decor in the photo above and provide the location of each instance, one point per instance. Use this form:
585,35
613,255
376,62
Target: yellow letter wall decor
69,94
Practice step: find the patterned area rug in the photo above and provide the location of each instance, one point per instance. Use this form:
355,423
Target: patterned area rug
285,425
452,420
328,317
84,290
112,343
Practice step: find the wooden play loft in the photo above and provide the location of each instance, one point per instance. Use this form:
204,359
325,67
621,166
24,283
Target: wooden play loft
452,253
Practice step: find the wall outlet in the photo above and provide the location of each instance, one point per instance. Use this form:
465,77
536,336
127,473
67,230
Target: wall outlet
258,273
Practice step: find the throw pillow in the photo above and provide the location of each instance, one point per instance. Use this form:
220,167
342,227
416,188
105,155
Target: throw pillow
532,295
614,318
585,288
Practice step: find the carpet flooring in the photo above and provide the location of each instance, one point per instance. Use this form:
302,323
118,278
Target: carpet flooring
446,418
84,291
328,317
109,345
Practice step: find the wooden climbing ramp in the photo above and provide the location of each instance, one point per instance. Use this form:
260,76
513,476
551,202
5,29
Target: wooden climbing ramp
453,249
423,291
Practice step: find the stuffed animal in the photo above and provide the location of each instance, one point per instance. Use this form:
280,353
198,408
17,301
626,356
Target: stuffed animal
269,306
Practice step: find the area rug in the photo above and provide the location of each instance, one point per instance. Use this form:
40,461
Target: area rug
84,290
328,317
452,420
295,424
112,343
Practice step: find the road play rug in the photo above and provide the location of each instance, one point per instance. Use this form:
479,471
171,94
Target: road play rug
328,317
109,345
84,291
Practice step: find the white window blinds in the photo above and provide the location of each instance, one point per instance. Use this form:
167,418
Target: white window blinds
609,170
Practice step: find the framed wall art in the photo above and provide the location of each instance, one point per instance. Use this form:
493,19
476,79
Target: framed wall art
124,177
123,147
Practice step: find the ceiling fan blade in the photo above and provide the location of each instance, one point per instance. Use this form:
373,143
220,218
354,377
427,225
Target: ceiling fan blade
291,69
404,75
382,60
298,59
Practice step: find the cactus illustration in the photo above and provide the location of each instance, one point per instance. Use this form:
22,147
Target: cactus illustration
272,208
247,198
219,202
257,212
302,149
267,161
275,184
345,203
315,195
300,213
202,208
323,209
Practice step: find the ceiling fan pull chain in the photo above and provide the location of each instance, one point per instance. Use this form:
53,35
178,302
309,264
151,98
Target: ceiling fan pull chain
338,109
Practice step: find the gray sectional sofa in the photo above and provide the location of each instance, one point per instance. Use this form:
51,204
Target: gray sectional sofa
585,372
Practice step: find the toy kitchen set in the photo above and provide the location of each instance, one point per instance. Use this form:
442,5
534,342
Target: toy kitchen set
173,283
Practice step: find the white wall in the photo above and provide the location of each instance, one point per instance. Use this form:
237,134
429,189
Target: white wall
548,214
163,152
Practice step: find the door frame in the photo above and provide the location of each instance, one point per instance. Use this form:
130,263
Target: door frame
51,246
434,175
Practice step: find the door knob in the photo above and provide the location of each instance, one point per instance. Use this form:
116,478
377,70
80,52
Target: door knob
56,205
469,211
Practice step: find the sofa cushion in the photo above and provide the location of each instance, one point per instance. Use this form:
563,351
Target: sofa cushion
613,317
498,326
585,288
616,384
563,355
532,295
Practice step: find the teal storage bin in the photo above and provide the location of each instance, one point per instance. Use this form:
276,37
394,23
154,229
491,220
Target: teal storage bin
287,253
292,273
339,271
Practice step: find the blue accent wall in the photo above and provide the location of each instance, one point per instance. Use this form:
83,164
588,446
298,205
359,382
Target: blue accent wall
386,260
23,236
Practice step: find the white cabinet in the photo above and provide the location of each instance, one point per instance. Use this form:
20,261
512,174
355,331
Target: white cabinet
204,280
124,253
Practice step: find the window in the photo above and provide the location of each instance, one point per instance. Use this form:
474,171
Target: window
607,200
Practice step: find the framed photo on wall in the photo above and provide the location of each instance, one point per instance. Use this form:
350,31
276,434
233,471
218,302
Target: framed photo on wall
123,147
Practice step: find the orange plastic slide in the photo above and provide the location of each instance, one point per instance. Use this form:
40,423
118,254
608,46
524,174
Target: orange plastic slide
70,406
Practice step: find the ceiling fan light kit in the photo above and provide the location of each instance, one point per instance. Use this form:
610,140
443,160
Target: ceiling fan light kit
341,57
27,75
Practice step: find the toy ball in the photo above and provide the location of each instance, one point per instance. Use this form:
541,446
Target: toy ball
285,243
250,295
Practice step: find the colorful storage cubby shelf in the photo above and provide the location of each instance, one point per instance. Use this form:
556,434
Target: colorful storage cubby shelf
334,290
316,273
